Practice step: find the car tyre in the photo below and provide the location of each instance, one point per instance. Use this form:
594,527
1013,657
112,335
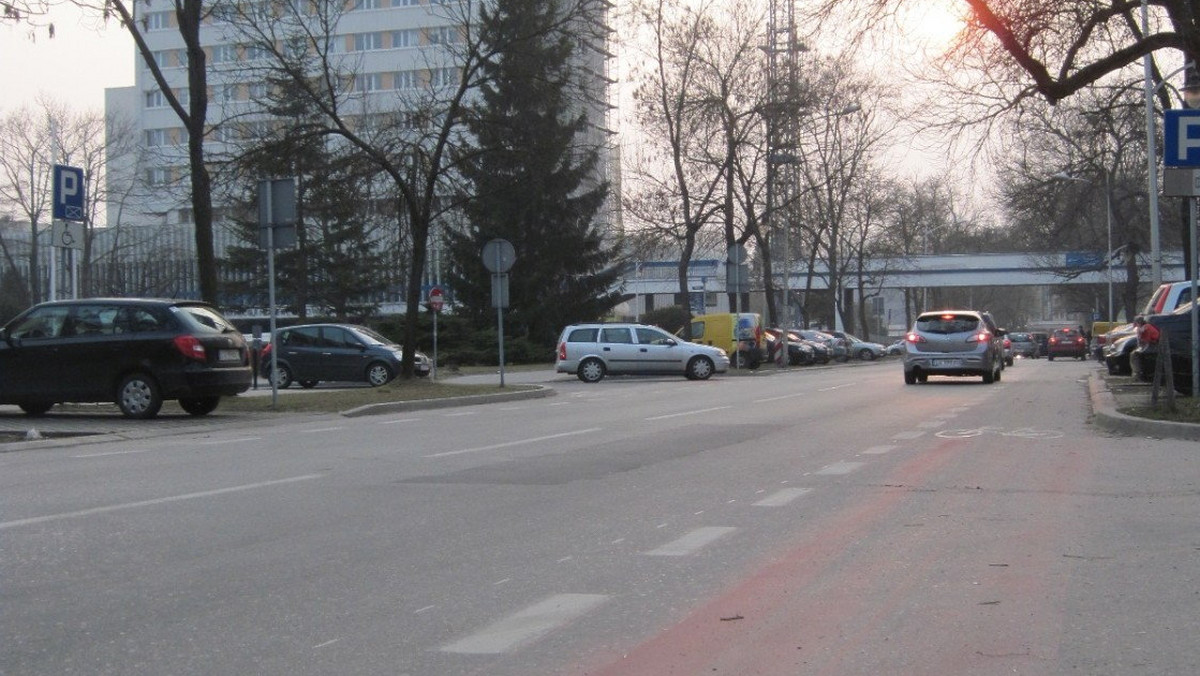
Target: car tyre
139,397
700,368
199,405
866,354
1008,361
378,373
591,370
910,378
989,376
35,408
282,376
1049,357
309,384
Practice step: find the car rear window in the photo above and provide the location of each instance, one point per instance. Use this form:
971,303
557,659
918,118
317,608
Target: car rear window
947,323
582,335
204,319
1021,337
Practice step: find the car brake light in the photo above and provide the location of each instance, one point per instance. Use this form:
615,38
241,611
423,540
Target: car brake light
914,337
1054,341
981,337
190,347
562,350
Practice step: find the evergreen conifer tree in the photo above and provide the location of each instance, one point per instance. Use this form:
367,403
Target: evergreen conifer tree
532,182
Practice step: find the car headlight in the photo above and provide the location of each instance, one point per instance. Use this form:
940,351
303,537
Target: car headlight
721,352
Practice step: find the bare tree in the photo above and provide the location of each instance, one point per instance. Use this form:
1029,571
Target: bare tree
190,105
699,103
413,137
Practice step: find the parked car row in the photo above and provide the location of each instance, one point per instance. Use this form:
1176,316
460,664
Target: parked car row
592,351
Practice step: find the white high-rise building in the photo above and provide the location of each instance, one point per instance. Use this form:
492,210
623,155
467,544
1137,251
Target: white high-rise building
393,51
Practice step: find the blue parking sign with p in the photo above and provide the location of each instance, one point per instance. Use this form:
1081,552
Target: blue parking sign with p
68,193
1181,138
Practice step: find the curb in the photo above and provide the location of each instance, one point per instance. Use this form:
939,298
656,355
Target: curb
540,391
1107,417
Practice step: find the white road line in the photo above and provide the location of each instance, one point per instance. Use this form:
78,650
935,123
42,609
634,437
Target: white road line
844,467
101,455
321,429
931,424
786,396
219,442
401,420
835,387
879,450
526,626
906,436
519,442
156,501
679,415
783,497
692,542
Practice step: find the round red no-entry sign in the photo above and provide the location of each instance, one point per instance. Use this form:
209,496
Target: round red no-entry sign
435,299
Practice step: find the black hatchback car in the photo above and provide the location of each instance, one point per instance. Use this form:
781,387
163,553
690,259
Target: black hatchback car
312,353
136,352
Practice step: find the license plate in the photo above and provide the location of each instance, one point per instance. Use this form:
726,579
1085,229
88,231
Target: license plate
947,363
229,355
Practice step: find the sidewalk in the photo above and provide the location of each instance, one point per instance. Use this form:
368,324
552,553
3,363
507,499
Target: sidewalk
1107,399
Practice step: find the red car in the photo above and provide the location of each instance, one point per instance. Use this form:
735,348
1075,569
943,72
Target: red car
1067,343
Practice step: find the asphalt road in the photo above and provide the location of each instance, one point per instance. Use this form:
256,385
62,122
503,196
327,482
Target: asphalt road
824,521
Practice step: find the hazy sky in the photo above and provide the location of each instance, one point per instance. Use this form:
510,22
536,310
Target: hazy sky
74,67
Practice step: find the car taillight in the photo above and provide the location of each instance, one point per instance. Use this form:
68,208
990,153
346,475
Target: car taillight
190,347
1007,343
981,337
914,337
562,350
1054,341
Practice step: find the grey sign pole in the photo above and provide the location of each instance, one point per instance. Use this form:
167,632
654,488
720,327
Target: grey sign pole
498,257
276,210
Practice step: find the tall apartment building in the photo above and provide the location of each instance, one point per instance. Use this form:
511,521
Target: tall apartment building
397,47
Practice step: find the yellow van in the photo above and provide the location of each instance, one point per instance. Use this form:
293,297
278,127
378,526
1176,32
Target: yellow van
740,335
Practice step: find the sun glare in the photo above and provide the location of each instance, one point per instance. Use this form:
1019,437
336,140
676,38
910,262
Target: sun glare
932,26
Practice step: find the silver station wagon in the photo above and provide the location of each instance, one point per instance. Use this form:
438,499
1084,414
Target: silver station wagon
590,351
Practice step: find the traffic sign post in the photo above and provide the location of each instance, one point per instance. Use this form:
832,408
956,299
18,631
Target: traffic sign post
498,257
67,216
435,304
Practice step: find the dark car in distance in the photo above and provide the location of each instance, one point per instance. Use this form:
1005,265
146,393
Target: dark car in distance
135,352
1067,342
313,353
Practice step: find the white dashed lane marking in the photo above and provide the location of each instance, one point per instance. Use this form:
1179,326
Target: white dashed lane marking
692,542
526,626
914,434
879,450
844,467
783,497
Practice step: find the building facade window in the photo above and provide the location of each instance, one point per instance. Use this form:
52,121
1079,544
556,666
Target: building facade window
157,21
224,53
155,99
368,82
157,137
406,38
406,79
367,41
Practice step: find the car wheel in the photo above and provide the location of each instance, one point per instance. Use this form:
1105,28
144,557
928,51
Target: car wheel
378,373
309,384
910,378
989,376
35,408
283,376
866,354
922,378
1049,357
700,368
1000,373
591,370
1112,368
1008,361
199,405
138,396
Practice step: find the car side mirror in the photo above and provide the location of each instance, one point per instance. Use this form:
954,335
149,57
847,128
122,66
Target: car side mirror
672,342
5,337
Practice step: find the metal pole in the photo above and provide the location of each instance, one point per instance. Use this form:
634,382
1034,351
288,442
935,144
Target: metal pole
1108,209
1151,158
1195,353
